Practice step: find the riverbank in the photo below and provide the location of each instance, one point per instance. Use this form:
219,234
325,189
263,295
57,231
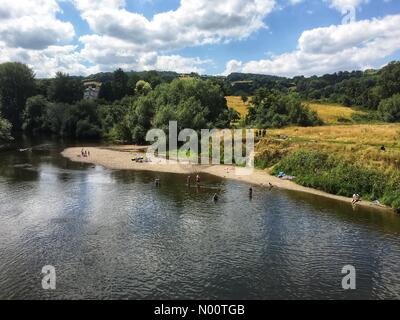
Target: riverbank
120,158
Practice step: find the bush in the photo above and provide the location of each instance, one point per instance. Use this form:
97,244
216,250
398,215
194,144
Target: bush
5,130
273,109
338,176
389,109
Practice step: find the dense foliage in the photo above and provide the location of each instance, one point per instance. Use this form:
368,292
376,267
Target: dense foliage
130,103
389,109
17,84
5,130
335,175
60,110
273,109
364,89
193,103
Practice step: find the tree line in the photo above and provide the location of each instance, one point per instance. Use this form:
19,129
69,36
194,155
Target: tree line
130,103
375,91
125,110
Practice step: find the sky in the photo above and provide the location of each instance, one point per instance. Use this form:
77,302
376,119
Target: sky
277,37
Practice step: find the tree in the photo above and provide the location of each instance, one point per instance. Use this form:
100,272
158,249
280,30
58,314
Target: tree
389,109
153,78
139,117
120,84
65,89
273,109
17,84
133,80
35,114
80,120
106,92
390,79
142,87
5,130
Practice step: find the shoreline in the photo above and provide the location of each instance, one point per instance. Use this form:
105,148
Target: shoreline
120,158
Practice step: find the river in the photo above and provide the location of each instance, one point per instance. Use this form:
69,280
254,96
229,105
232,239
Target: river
114,235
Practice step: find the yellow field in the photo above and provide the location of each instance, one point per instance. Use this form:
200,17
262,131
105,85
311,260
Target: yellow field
358,143
331,113
237,104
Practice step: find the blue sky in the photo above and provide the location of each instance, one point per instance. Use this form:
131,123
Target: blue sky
282,37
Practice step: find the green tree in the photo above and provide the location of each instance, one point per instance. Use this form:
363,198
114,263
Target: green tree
5,130
80,120
142,87
139,117
65,89
106,92
35,114
390,79
113,119
273,109
120,84
133,80
153,77
389,109
17,84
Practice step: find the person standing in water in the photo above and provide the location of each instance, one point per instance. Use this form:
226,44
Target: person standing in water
198,179
215,197
158,182
188,181
251,192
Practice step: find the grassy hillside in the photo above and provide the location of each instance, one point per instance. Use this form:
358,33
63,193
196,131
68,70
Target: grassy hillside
333,113
329,113
236,103
338,159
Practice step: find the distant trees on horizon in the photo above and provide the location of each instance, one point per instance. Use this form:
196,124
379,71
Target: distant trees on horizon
130,103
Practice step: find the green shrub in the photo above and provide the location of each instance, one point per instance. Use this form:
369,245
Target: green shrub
339,176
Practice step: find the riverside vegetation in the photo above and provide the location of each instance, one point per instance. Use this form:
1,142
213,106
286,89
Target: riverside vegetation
327,131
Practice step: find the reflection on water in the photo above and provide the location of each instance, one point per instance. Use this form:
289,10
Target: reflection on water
114,235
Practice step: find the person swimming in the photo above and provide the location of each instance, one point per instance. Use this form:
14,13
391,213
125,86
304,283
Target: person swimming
215,197
356,198
271,186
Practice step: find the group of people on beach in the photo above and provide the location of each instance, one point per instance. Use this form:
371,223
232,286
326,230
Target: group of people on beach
85,153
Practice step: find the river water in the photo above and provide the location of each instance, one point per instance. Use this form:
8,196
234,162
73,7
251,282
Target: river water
114,235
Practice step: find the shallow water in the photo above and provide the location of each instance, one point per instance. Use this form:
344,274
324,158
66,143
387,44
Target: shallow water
114,235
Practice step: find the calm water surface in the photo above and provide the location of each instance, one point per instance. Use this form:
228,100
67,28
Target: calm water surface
113,235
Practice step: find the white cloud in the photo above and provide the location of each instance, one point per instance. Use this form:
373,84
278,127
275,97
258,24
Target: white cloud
30,32
357,45
193,23
109,53
48,61
32,24
126,39
232,67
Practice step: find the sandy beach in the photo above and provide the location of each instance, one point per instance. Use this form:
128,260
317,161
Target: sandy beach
120,158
